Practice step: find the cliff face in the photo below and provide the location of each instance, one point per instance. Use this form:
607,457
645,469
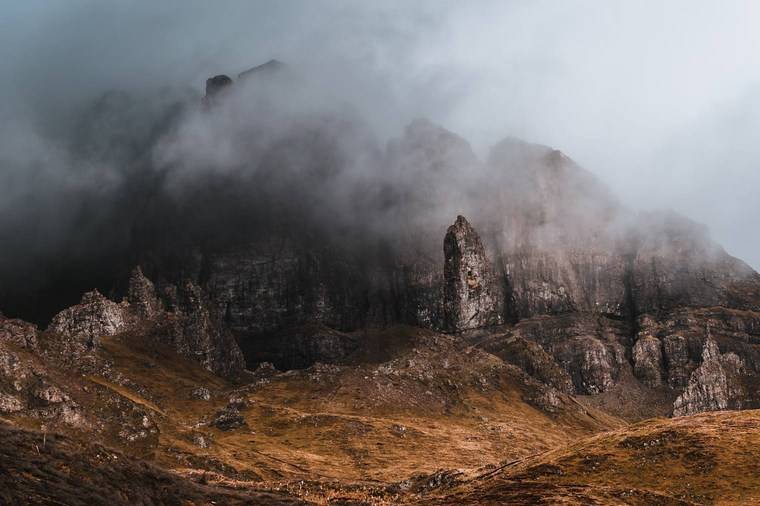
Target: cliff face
599,289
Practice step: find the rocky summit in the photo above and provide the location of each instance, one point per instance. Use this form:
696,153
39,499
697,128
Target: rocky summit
309,316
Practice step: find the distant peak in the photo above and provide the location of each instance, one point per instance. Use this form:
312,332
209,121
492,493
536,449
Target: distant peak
268,67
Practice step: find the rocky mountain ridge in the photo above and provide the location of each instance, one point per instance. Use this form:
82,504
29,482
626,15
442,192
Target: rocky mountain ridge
589,295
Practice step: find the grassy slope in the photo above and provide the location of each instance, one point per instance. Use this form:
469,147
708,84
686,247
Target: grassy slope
712,458
37,468
435,406
360,431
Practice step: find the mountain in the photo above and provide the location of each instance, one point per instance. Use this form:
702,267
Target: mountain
269,300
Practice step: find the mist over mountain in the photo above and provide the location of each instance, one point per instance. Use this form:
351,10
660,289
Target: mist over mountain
335,253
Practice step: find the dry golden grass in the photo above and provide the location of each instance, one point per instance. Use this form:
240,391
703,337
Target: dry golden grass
432,424
712,458
349,430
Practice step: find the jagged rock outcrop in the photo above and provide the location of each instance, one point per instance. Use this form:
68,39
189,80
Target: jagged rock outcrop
471,296
293,236
95,316
715,385
190,325
228,418
142,295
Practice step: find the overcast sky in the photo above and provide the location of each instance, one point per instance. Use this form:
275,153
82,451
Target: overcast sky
660,99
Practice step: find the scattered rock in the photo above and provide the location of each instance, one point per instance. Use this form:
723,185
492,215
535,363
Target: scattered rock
201,394
228,418
238,400
202,440
10,404
50,394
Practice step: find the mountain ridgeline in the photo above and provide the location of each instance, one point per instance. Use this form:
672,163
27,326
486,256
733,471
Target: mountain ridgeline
257,217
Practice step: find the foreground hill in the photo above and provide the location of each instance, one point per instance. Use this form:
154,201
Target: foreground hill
50,469
704,459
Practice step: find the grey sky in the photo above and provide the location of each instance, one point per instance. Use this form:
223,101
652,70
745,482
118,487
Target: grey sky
660,99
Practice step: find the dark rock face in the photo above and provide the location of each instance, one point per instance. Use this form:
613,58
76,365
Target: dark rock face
196,332
676,264
530,357
678,363
471,295
303,346
260,290
647,361
592,365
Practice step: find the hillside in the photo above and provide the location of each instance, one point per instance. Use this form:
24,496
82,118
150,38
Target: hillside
705,459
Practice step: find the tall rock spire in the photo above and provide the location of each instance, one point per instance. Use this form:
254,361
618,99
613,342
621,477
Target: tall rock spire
473,297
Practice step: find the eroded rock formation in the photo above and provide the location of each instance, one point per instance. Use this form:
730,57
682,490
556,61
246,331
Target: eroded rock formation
95,316
189,325
715,385
471,295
